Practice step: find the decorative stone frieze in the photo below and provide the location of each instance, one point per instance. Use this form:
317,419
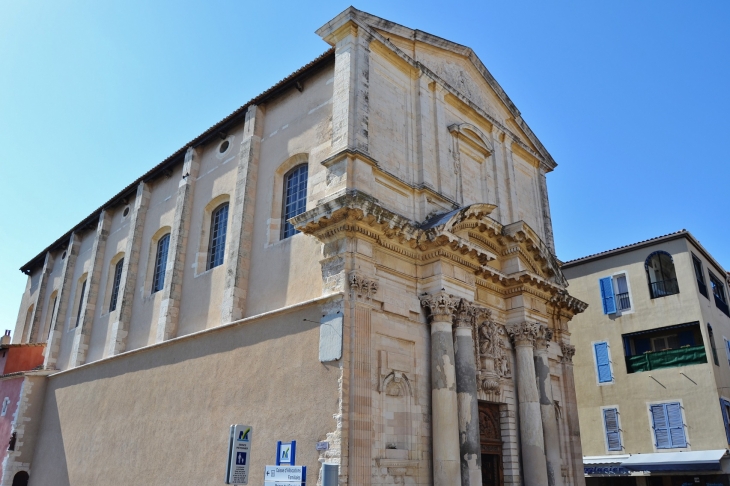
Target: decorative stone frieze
362,287
568,353
524,333
441,306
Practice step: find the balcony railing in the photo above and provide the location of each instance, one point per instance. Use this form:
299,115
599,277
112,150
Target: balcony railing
722,305
662,288
623,302
668,358
703,288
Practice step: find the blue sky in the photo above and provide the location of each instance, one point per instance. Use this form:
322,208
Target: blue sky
630,98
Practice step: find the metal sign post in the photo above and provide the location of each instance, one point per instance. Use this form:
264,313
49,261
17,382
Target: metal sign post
239,454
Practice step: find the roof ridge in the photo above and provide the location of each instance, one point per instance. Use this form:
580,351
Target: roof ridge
682,231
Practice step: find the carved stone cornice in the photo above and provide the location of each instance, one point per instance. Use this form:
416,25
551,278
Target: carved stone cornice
564,301
568,351
362,287
524,333
441,306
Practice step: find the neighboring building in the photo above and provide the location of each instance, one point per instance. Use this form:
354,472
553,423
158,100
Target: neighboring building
652,363
299,268
22,389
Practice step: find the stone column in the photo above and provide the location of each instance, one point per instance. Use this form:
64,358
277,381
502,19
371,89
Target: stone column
466,389
88,306
122,315
531,435
571,413
35,320
545,204
547,409
444,412
238,261
172,292
59,316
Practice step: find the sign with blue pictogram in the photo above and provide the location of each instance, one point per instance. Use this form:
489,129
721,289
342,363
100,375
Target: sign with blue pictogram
286,453
239,454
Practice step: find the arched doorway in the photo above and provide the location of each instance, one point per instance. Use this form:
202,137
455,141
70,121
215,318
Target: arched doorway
490,438
20,479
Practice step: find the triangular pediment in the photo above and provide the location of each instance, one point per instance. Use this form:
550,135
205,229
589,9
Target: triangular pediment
457,66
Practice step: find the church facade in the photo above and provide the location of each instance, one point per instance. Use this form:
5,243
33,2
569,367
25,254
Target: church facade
360,257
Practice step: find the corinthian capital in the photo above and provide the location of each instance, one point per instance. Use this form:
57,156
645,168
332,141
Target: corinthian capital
441,306
524,333
465,313
544,336
568,352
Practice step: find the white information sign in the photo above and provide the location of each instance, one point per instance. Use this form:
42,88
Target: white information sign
281,483
285,473
239,454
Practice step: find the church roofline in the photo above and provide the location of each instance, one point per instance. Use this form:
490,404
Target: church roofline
226,123
374,22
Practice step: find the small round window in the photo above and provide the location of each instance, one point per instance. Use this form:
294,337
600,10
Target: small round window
126,212
224,146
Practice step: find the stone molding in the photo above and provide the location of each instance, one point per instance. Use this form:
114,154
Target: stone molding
362,287
568,351
441,306
525,333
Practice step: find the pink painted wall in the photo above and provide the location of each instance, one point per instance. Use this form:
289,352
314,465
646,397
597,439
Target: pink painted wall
9,388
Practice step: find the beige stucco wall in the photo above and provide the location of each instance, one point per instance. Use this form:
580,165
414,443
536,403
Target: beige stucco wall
162,415
694,386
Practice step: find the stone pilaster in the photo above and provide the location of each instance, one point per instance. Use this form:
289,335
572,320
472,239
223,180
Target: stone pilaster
547,409
362,290
534,465
444,403
171,293
31,335
511,179
240,240
122,315
59,316
88,306
571,412
350,106
545,205
466,389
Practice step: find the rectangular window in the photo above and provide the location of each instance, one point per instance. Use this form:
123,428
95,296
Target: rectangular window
603,362
623,300
607,295
613,431
81,303
718,292
700,275
664,347
727,350
115,284
668,425
711,337
725,407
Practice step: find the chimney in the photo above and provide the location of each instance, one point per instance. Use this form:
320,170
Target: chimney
5,340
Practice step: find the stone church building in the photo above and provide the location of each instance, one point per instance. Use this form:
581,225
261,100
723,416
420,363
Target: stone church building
361,256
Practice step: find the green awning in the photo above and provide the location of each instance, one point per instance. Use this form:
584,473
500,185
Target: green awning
666,359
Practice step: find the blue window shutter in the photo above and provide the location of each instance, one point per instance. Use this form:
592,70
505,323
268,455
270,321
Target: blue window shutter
724,406
676,426
603,363
609,301
661,428
613,434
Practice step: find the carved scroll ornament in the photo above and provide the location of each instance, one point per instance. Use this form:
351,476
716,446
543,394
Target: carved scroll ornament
568,352
525,333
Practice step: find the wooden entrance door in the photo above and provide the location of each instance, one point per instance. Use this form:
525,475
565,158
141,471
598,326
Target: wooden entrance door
490,435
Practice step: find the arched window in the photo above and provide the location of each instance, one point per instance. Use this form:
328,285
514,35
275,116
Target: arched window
81,302
295,198
661,275
115,284
217,244
21,478
158,280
